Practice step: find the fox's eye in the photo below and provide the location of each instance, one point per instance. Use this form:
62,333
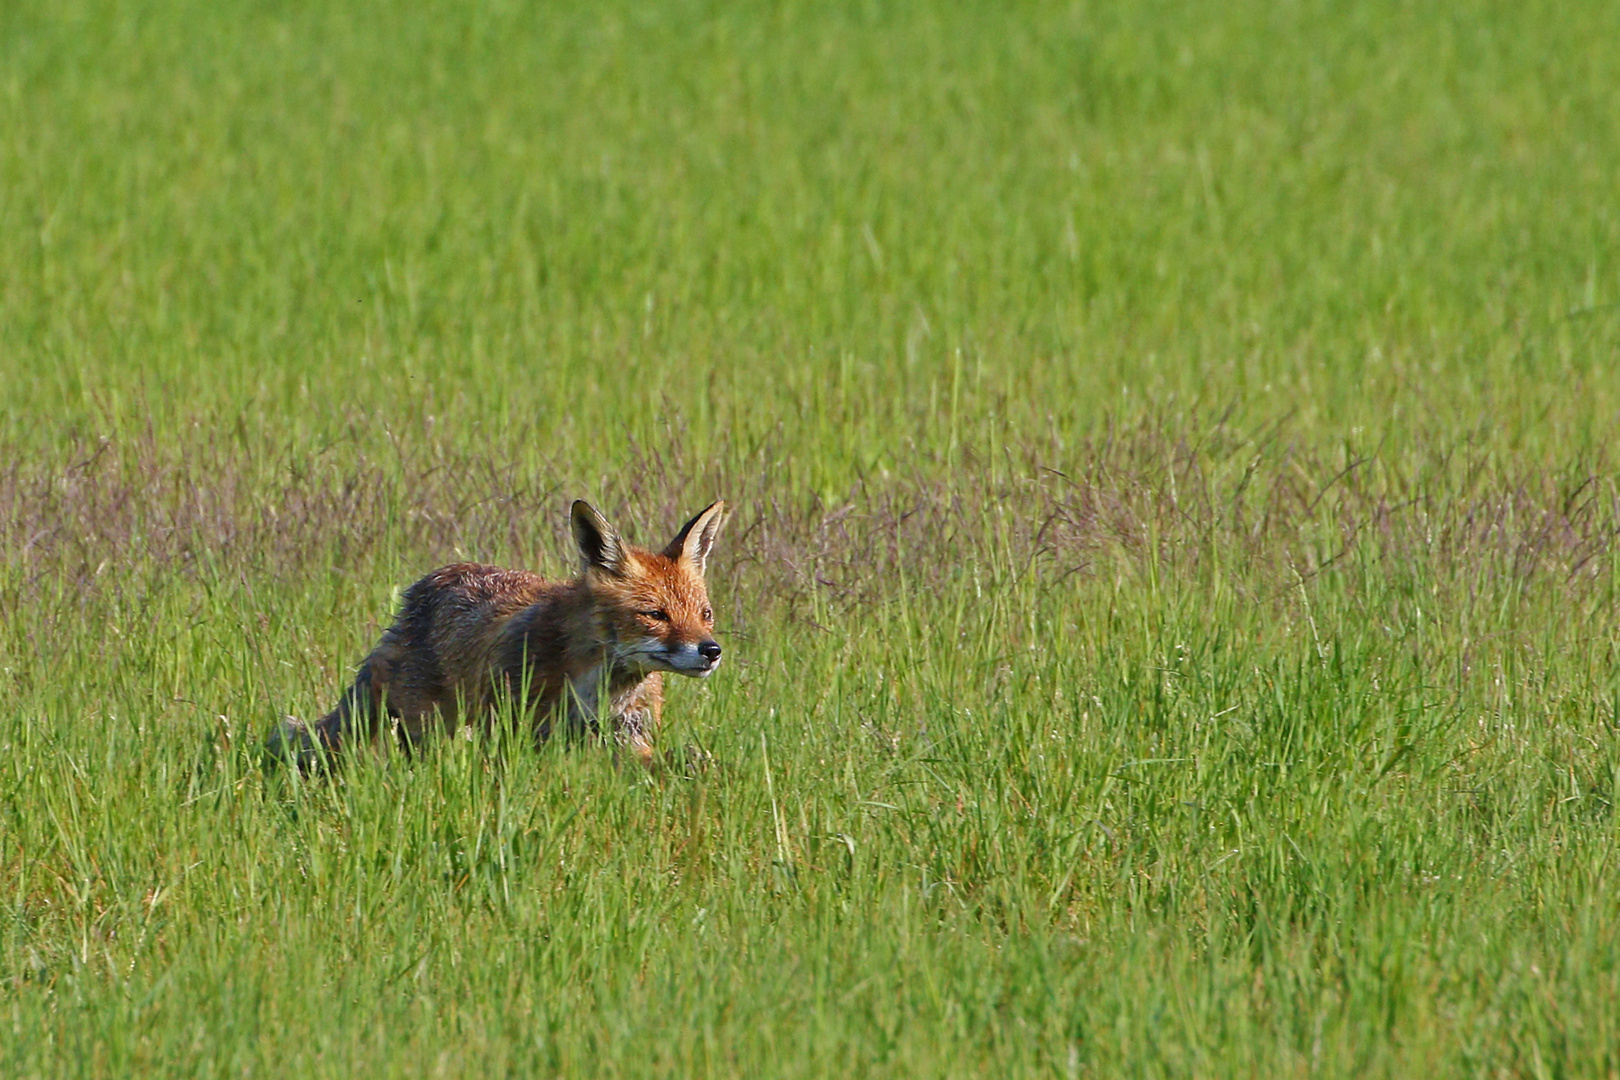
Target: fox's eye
660,615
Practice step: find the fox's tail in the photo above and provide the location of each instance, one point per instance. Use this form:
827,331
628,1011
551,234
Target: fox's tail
357,713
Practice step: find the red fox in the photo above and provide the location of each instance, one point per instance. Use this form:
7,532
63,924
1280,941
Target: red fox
590,653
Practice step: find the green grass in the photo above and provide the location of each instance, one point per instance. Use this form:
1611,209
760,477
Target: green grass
1171,603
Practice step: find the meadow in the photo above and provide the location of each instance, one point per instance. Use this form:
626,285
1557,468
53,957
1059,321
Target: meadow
1170,599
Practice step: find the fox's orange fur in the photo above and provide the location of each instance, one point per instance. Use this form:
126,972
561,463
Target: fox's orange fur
589,653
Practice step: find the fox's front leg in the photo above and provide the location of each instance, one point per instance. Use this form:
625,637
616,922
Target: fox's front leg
634,732
635,719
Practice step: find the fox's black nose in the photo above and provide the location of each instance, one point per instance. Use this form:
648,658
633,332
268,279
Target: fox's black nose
709,650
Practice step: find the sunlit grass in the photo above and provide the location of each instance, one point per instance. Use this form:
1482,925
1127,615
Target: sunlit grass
1170,607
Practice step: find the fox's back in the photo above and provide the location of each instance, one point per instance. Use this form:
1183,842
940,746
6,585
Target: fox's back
442,645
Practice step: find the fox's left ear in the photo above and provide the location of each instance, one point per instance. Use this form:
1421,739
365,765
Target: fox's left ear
696,537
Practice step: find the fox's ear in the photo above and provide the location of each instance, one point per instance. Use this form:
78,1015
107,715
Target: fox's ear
696,537
598,542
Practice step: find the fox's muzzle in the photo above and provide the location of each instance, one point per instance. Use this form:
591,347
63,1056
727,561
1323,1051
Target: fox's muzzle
686,658
708,658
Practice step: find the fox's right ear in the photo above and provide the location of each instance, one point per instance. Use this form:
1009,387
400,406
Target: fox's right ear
598,542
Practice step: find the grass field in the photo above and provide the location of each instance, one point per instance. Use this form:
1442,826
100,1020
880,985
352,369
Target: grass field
1170,604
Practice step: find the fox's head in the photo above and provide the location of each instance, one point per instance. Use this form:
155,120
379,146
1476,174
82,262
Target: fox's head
653,606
